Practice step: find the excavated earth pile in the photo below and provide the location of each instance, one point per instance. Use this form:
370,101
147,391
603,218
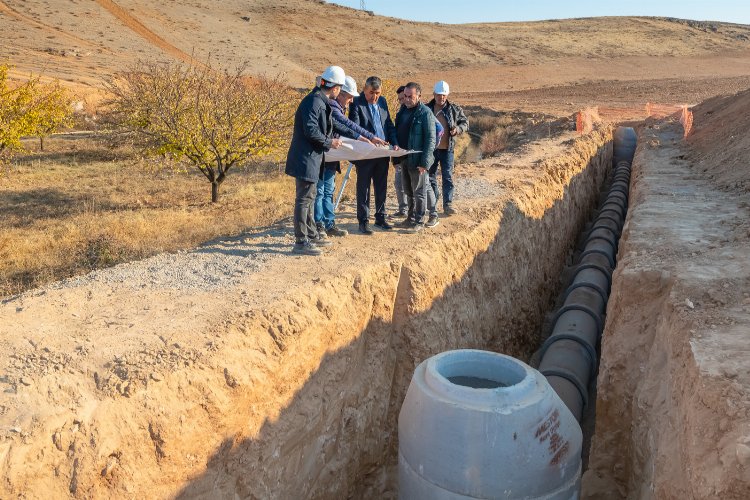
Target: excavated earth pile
287,380
673,404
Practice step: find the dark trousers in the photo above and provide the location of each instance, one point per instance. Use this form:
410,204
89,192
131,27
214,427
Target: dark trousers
399,185
304,211
415,188
445,158
373,172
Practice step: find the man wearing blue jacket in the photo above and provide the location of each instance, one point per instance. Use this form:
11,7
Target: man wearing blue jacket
370,111
325,218
312,137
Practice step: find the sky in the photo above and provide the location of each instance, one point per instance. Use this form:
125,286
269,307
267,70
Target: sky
473,11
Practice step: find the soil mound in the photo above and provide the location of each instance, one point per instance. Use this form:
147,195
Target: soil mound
719,144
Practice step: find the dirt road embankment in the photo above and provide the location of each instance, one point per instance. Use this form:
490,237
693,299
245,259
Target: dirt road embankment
285,380
673,404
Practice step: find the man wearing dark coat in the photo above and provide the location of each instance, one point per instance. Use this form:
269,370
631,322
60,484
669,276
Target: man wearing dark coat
312,137
370,111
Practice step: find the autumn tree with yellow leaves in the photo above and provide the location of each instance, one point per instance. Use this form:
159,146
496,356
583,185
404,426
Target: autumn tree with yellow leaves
209,118
30,108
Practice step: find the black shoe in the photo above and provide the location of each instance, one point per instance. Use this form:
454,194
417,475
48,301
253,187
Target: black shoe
321,242
449,210
334,231
383,225
415,228
407,223
306,248
364,228
432,221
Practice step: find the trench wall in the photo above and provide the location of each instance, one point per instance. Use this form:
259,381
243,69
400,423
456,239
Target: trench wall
672,416
301,399
487,288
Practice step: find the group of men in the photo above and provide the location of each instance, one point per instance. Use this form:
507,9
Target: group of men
320,122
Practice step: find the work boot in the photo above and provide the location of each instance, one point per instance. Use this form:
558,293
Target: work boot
432,221
416,228
406,223
383,225
449,210
321,240
335,231
306,248
321,229
364,228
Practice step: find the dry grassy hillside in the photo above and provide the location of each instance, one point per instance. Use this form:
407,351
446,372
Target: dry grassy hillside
82,40
719,142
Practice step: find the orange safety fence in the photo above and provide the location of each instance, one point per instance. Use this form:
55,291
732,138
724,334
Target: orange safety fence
586,118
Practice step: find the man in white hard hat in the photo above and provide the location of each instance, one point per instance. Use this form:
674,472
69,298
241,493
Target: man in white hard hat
454,121
370,111
325,217
311,138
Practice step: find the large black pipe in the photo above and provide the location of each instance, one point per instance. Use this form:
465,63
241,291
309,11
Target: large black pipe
569,356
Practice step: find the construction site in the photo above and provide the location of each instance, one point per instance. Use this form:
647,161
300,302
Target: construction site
612,228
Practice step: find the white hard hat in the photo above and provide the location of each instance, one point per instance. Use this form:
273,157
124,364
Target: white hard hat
333,75
350,86
442,87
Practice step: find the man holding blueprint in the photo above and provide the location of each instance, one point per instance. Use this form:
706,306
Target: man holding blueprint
370,111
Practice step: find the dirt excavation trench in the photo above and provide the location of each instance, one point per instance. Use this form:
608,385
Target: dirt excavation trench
673,405
283,376
287,381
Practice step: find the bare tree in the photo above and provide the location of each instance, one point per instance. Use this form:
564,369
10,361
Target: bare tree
211,119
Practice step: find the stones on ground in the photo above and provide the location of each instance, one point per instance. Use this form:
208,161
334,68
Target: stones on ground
112,462
26,381
723,424
230,380
689,303
156,377
124,388
743,454
57,440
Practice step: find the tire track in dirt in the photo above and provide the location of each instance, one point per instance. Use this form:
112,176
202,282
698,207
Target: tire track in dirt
135,25
10,11
478,47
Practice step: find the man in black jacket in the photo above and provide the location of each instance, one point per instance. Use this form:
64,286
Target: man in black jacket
312,137
370,111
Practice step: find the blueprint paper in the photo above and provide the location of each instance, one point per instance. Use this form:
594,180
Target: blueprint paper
352,150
